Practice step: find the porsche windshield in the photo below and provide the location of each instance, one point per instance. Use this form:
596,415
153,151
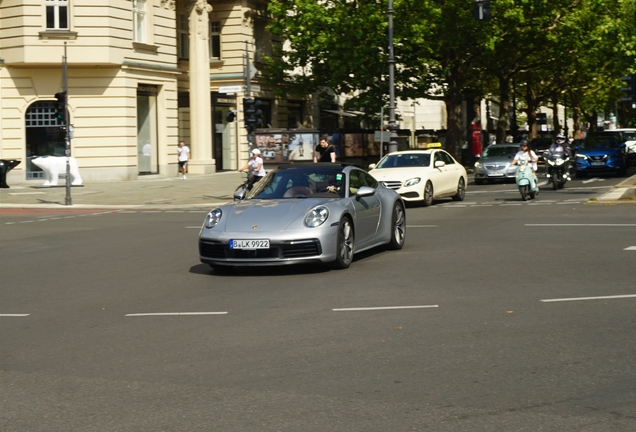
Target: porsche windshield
300,182
402,160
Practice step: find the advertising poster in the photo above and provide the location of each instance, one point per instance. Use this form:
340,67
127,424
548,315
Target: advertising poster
301,146
272,147
353,144
373,146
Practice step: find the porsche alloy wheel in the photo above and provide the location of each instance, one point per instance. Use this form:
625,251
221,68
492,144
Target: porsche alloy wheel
398,224
344,252
428,194
461,190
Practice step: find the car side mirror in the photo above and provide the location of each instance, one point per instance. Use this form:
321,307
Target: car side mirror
440,164
365,191
240,195
371,166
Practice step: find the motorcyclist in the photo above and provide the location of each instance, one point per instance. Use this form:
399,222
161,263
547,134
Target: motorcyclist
530,156
561,146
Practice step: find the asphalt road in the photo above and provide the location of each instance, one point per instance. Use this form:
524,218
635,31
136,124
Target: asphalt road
497,315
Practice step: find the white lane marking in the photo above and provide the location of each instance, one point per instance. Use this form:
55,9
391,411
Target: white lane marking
27,193
630,248
151,211
509,205
25,221
14,315
127,211
10,223
589,298
175,211
569,202
580,225
383,308
595,179
421,226
543,183
175,313
539,203
193,227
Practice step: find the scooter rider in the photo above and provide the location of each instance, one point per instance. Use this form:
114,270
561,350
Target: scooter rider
528,155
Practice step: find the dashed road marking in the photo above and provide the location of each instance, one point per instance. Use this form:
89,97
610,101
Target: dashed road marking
589,298
174,314
383,308
14,315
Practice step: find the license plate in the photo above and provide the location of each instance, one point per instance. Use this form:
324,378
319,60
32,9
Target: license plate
249,244
494,174
596,163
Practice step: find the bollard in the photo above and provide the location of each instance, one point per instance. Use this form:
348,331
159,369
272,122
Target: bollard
6,165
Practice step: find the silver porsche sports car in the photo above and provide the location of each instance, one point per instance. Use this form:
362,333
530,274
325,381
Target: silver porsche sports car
311,213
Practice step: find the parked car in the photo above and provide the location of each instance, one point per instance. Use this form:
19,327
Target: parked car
599,153
422,175
304,213
494,163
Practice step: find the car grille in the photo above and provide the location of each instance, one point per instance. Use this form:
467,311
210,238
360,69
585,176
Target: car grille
494,167
392,184
289,249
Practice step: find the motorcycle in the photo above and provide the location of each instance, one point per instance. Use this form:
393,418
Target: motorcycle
526,181
557,166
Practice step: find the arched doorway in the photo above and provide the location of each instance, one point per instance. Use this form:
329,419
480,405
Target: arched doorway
45,136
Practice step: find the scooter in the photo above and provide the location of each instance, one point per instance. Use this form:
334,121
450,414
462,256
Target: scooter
557,166
526,181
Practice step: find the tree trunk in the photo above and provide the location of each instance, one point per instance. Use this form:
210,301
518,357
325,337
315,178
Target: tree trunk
504,109
454,123
555,115
576,123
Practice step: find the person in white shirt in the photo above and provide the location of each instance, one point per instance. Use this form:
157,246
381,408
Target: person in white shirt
256,166
530,156
184,156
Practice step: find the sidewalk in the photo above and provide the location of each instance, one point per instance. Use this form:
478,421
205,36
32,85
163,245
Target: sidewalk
149,192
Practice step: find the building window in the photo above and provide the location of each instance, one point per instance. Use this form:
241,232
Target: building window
57,14
139,21
184,43
215,40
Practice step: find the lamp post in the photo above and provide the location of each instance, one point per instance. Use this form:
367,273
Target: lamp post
392,126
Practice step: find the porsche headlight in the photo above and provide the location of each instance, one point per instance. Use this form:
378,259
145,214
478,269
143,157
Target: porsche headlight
213,218
316,216
411,182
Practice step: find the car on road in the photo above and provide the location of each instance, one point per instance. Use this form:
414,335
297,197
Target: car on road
495,163
304,213
629,135
600,153
422,175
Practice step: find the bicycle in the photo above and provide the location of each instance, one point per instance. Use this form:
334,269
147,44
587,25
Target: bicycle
245,186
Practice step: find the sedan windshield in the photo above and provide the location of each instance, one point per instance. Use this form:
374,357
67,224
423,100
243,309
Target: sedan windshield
401,160
494,151
599,142
302,182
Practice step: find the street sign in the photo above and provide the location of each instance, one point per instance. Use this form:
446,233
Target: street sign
230,89
384,136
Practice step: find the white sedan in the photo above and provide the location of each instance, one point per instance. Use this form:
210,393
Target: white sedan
422,175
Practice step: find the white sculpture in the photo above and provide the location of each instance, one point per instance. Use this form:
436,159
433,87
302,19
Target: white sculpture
54,165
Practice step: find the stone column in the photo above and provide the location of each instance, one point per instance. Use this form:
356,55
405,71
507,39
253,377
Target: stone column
202,161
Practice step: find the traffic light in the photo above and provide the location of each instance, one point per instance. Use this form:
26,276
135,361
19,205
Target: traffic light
629,89
252,114
481,10
60,108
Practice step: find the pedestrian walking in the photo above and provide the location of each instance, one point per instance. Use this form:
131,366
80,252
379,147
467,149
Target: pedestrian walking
325,152
184,156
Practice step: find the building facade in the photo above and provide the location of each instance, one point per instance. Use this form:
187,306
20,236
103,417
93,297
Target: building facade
142,75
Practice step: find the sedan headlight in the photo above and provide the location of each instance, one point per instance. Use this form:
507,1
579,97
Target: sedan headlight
411,182
316,216
213,218
581,156
477,164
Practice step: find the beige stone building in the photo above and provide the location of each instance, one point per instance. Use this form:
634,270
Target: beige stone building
142,75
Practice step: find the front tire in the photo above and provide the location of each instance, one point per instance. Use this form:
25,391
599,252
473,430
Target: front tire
461,190
525,191
428,195
344,245
398,227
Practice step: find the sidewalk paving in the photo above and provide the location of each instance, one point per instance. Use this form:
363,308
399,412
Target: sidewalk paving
149,192
163,193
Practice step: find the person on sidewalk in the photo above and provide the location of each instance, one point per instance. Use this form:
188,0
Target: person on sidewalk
184,156
256,165
324,151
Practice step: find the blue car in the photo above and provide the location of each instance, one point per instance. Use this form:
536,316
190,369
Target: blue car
600,153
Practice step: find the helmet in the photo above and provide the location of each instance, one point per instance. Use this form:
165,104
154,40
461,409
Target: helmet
560,137
256,151
523,142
